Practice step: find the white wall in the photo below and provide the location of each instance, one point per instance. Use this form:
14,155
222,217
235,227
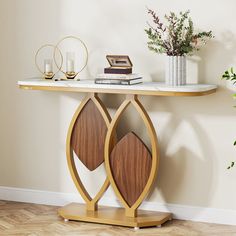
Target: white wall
195,134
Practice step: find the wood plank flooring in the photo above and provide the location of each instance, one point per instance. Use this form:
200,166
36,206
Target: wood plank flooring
39,220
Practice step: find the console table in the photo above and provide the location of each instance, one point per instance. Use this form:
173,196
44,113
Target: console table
131,167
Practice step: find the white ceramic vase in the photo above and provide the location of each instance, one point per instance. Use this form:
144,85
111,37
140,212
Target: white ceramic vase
175,70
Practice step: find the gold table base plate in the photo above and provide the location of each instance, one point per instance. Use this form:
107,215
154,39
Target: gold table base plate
113,216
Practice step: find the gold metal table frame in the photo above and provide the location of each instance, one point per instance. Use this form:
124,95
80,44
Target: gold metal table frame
131,167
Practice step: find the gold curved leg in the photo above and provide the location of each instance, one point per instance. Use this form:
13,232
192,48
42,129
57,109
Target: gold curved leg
147,163
90,115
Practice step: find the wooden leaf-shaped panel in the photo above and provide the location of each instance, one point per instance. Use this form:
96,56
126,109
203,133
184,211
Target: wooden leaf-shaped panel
130,163
88,136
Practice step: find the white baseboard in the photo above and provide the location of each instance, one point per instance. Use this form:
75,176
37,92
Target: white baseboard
181,212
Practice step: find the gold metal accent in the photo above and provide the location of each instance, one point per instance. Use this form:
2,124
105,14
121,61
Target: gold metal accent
91,203
72,75
113,216
132,99
48,75
114,90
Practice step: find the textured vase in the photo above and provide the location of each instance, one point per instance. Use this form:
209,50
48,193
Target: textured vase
175,70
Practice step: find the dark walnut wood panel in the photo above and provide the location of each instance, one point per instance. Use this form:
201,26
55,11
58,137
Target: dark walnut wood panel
88,136
130,162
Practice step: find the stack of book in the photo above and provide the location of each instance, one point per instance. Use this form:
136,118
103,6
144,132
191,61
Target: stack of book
119,72
120,79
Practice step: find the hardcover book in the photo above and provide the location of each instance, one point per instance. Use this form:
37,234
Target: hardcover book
116,70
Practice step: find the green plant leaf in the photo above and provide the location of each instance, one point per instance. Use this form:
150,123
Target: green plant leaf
224,76
230,75
231,165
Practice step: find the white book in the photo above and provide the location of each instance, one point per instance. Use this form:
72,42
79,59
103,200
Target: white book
118,81
118,76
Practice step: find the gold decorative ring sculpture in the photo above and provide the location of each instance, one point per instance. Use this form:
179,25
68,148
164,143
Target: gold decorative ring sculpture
71,75
51,74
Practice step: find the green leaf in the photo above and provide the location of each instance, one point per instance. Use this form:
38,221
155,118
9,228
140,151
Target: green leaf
234,142
231,165
224,76
232,70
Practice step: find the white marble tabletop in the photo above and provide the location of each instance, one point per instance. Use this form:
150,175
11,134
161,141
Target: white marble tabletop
146,88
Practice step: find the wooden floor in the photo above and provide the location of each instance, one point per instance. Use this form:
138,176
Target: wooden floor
36,220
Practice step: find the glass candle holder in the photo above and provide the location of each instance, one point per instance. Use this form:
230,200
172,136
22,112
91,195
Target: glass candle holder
70,65
48,69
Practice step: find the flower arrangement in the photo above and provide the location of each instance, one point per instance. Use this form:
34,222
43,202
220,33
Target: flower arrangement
177,36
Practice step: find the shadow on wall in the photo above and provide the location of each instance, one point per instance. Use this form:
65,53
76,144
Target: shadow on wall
220,51
185,168
178,167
